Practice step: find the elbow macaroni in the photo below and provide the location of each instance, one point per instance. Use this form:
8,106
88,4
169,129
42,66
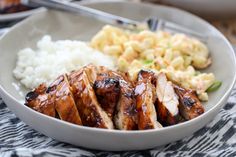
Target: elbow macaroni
177,55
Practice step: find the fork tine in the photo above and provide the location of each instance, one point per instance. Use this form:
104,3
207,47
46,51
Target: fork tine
154,24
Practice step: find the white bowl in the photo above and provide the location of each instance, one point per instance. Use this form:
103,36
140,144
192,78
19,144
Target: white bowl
62,25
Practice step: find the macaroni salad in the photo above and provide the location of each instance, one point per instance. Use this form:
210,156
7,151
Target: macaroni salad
177,55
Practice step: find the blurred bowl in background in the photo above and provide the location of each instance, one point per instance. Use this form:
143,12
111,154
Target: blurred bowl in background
13,10
12,6
19,15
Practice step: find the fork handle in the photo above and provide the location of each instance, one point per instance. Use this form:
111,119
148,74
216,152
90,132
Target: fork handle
72,7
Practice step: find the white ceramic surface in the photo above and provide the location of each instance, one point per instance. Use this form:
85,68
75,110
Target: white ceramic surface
68,26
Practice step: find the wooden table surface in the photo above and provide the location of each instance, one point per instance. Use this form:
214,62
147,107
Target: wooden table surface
227,27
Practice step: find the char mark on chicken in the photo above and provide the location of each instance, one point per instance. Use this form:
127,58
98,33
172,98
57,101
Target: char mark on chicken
118,94
89,109
147,75
107,91
41,101
190,106
105,86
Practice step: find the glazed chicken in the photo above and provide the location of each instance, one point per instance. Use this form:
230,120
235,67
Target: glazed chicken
95,96
107,90
41,101
167,104
116,95
64,102
190,106
126,116
89,109
145,98
57,98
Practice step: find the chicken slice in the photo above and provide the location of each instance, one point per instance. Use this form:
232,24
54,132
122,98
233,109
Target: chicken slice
126,116
89,109
107,91
105,87
92,72
40,101
64,100
116,95
167,106
145,99
190,106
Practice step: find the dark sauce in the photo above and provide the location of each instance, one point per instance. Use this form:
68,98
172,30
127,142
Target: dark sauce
31,96
188,101
13,7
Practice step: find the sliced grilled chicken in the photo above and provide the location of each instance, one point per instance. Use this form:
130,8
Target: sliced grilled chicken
40,101
167,106
126,116
107,91
105,87
64,100
147,75
92,72
96,96
89,109
190,106
145,99
118,96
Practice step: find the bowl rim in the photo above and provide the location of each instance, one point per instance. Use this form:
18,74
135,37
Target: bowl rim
150,131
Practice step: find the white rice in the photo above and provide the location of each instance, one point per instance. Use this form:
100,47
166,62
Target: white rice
52,59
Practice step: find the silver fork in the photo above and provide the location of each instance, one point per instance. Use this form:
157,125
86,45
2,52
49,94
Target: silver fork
152,24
